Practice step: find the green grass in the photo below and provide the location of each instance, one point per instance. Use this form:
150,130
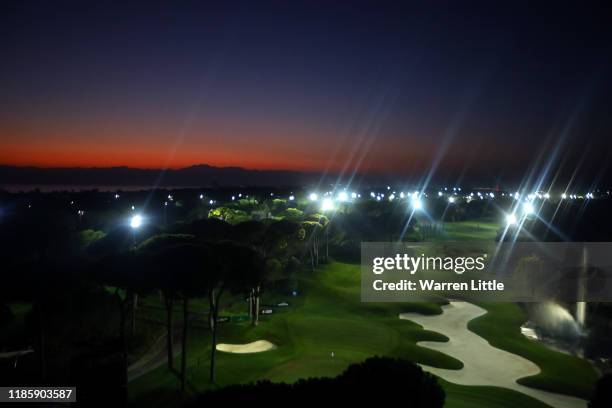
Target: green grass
329,317
481,230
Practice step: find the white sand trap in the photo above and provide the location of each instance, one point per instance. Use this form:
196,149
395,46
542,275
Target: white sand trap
258,346
483,363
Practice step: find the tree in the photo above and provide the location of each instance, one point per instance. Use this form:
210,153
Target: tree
160,264
193,268
275,242
237,268
359,383
126,275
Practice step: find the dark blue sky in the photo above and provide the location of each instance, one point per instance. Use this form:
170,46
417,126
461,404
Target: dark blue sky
396,87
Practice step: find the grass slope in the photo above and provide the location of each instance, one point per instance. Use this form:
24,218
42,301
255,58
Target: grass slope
329,317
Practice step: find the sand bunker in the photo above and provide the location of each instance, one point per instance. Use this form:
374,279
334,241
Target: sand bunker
483,363
258,346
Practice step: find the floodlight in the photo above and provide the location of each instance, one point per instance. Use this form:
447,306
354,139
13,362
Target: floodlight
313,197
327,205
528,208
417,204
291,198
511,219
451,199
343,196
136,221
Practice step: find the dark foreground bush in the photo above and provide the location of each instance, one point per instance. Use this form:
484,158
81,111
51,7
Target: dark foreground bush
376,379
603,393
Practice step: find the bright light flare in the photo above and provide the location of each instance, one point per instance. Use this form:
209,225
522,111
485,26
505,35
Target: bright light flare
343,196
417,204
528,208
313,197
136,221
451,200
327,205
511,219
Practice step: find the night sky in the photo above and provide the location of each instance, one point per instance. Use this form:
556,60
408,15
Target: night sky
307,86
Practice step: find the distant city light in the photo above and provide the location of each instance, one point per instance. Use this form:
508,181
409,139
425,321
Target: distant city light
392,197
491,195
116,196
136,221
313,197
440,194
451,199
211,202
291,198
563,196
201,196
